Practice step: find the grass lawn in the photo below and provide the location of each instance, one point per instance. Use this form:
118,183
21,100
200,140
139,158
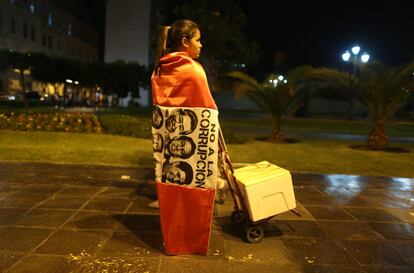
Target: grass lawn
307,155
296,126
59,147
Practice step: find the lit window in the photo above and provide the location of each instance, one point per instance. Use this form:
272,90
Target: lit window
32,7
50,19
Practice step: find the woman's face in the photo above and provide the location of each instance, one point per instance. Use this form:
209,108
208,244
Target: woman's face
193,45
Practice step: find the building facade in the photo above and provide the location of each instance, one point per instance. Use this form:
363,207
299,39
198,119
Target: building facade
127,31
43,26
127,37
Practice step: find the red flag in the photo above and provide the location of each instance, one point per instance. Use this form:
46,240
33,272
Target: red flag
185,141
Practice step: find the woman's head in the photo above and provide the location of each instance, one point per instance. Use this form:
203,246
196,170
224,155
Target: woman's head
182,35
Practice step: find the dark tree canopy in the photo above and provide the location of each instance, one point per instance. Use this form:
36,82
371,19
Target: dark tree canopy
224,44
118,77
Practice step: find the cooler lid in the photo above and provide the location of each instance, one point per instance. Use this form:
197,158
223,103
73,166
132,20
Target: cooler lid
258,172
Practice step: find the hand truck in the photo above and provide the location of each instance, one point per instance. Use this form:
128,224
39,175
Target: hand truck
253,230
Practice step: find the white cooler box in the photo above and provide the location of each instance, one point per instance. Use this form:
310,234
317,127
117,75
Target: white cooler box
266,188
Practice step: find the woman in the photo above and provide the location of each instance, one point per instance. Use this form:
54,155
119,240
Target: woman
182,96
178,46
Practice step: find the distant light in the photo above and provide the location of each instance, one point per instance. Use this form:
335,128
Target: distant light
356,50
365,57
32,7
275,82
346,56
68,81
12,97
70,29
76,82
280,78
50,19
285,81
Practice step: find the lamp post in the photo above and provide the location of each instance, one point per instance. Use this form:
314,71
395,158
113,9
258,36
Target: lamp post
277,79
355,58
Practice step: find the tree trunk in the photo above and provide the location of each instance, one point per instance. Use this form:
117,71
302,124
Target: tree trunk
23,82
277,134
377,138
351,109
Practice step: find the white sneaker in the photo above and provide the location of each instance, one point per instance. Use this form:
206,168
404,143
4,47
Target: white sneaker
220,197
153,205
221,183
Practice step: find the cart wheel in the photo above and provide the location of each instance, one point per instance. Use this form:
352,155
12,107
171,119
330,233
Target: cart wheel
254,234
237,217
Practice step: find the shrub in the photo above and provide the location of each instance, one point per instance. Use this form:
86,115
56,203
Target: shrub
126,125
117,124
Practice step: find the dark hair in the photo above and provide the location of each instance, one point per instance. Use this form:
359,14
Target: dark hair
170,37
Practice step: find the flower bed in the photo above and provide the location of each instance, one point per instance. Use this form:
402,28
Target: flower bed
59,122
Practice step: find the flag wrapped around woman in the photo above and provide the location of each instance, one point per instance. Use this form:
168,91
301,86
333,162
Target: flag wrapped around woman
185,141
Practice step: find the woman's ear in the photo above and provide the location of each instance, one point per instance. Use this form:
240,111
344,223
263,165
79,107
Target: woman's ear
184,42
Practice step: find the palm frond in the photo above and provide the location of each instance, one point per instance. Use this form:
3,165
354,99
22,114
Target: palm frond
243,77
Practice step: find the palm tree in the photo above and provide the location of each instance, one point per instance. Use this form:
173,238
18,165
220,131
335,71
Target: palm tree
381,89
274,95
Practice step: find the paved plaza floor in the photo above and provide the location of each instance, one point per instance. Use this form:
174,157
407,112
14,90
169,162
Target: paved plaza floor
78,218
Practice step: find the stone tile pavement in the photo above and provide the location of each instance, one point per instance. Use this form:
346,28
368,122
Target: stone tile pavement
79,218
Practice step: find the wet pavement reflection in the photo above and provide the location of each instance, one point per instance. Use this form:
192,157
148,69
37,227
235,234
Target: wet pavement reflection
77,218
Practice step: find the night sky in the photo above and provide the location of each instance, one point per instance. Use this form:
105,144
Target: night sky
317,32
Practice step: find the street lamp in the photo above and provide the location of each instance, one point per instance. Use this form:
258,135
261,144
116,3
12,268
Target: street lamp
356,57
277,79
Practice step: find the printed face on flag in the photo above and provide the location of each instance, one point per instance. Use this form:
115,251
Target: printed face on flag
182,146
185,146
179,172
157,118
183,120
157,143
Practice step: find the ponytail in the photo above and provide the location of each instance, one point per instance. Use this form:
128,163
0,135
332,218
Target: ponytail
162,46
